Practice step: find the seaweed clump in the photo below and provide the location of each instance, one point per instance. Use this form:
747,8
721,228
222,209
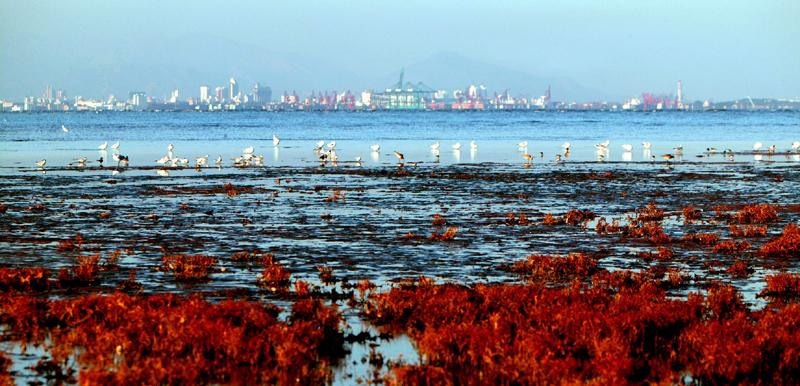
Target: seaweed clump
172,339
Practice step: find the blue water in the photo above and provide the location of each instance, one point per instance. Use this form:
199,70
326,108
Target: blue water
26,138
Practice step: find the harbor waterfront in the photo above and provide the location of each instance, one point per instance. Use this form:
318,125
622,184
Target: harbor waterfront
375,268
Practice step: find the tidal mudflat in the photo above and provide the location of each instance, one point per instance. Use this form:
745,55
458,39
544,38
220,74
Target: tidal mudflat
467,273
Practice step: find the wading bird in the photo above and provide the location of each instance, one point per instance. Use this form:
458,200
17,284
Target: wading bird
473,145
457,146
248,150
64,129
757,146
376,147
275,140
399,156
435,146
115,146
796,145
523,145
668,157
627,147
103,146
41,163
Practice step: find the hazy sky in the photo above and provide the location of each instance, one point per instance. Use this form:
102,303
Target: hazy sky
719,49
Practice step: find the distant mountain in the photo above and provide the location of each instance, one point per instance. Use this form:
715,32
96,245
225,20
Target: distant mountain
450,71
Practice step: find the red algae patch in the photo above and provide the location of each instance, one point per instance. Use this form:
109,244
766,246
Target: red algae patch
530,334
447,235
188,267
731,247
24,279
786,245
748,230
171,339
783,285
701,238
556,268
756,214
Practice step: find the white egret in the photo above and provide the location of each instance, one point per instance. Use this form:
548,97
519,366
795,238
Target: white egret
103,146
457,146
275,140
64,129
435,146
248,150
757,146
41,163
115,146
627,148
473,145
376,147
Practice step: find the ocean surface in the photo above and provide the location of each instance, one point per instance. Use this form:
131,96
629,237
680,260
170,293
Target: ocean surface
143,137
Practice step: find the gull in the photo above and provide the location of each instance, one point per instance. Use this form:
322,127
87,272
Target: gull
115,146
602,145
399,155
473,145
163,160
275,140
358,160
201,161
81,161
218,162
103,146
376,147
259,160
114,172
772,149
457,146
565,146
41,163
627,147
646,145
757,146
523,145
527,157
170,148
435,146
795,145
64,129
711,150
320,144
332,145
248,150
558,158
678,150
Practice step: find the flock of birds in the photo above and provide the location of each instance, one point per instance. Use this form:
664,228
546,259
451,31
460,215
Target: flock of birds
326,152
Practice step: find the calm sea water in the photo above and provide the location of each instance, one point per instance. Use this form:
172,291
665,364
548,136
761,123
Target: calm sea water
26,138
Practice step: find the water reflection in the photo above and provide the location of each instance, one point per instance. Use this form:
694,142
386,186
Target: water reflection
276,154
627,156
457,155
375,156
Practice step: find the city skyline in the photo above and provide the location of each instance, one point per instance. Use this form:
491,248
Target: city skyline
586,51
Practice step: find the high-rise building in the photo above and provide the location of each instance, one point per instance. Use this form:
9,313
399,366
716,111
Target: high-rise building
218,93
48,93
233,90
261,94
679,102
203,94
173,96
137,99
